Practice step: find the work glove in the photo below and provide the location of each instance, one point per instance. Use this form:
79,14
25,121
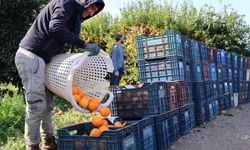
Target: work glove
117,73
93,49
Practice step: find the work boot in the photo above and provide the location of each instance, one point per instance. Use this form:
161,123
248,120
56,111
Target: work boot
49,143
32,147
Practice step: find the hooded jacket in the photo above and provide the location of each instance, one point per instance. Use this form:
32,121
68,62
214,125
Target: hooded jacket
58,23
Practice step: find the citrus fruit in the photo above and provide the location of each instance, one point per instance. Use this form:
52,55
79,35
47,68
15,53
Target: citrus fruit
94,103
105,111
84,102
95,132
103,128
97,121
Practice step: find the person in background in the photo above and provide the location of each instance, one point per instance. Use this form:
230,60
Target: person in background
58,23
117,56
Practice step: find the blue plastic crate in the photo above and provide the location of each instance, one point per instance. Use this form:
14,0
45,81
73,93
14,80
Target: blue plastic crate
229,59
229,74
221,88
147,133
222,72
231,100
170,69
235,74
215,92
187,118
121,138
186,46
240,62
230,87
216,108
240,73
213,72
203,51
188,75
226,87
234,60
223,57
210,106
135,102
196,67
217,56
154,47
199,92
195,51
167,128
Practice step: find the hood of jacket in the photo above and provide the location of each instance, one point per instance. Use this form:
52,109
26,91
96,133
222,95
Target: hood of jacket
82,4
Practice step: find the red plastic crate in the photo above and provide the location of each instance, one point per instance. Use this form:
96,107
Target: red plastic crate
205,70
211,55
182,93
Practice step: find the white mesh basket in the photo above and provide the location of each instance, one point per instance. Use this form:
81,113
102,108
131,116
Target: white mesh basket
87,73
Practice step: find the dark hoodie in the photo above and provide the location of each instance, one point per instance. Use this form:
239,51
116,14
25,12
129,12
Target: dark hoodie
58,23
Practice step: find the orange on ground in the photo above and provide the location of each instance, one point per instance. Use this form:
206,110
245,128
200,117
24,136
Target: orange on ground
84,102
77,98
94,103
118,124
95,132
103,128
75,90
105,122
97,121
104,111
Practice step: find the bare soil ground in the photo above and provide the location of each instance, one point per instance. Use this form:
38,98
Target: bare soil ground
222,133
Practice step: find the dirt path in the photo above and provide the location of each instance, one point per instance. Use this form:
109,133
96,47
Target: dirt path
222,133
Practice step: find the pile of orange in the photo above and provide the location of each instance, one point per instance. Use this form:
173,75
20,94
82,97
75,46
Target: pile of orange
84,101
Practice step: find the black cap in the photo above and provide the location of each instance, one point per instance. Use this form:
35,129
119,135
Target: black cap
118,37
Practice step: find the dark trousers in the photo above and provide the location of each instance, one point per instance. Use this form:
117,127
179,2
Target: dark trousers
114,79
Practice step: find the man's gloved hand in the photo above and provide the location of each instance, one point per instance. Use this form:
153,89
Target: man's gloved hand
117,73
93,49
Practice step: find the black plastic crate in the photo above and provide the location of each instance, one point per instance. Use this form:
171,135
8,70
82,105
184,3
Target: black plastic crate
242,97
76,138
167,128
190,93
149,99
169,69
235,74
200,113
225,102
187,118
154,47
243,86
215,92
208,89
199,92
203,51
186,46
221,88
236,85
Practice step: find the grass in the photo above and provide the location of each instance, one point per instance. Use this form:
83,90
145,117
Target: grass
12,112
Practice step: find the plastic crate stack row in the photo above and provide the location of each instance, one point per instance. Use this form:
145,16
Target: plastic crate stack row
204,82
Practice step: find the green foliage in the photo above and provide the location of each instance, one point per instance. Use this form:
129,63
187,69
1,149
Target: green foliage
15,17
225,30
12,112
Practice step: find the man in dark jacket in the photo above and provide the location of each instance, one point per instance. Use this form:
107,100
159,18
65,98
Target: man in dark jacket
58,23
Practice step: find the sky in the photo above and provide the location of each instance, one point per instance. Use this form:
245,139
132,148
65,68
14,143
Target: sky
241,6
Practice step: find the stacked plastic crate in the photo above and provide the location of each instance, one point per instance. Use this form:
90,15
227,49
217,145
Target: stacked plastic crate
234,60
223,80
210,82
243,83
199,91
